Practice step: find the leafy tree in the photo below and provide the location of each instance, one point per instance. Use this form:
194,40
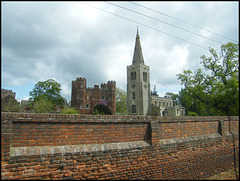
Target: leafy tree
215,93
174,97
192,114
42,105
50,90
154,92
121,101
70,111
10,105
102,108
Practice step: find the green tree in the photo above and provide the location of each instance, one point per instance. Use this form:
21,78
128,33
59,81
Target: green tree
121,101
50,90
174,97
154,92
10,105
217,92
42,105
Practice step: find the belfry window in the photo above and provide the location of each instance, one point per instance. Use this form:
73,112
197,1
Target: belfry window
133,75
134,109
144,76
133,95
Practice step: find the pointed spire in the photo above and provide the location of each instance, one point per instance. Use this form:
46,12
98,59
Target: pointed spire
137,56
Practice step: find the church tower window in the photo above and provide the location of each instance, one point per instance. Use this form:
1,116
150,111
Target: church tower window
133,95
144,76
133,75
134,109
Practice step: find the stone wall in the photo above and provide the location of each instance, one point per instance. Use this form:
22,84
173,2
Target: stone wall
52,146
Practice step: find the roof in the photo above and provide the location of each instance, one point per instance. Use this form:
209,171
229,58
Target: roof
137,56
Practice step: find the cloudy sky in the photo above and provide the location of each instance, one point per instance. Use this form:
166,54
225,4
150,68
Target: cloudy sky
95,40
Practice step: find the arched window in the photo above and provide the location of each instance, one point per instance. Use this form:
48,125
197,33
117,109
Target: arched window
144,76
133,75
133,95
134,109
163,113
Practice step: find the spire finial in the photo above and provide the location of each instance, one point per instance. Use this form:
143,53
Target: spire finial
137,29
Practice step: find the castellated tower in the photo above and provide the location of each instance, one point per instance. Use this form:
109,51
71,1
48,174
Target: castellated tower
138,83
84,99
78,93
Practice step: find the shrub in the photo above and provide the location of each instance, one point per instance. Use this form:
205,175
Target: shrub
70,111
192,113
102,109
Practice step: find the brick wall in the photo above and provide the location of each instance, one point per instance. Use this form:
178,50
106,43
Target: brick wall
52,146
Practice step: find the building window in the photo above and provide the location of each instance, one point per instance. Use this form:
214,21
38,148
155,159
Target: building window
103,98
133,75
163,104
144,76
133,95
87,97
87,106
78,97
134,109
81,107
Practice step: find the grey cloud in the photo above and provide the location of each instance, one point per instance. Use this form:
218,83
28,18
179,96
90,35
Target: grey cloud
57,40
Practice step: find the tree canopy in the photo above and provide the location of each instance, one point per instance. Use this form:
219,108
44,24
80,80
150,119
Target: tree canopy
121,101
48,92
217,92
42,105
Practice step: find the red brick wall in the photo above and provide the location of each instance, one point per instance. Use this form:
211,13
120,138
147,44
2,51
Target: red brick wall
51,146
188,128
42,134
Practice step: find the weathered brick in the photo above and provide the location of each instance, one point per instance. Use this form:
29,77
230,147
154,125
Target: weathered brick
184,148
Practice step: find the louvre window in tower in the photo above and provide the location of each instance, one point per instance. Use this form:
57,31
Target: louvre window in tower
133,75
134,109
144,76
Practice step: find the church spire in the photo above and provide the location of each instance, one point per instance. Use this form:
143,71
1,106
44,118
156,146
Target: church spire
137,56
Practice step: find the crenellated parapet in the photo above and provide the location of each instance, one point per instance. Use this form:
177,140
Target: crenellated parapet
85,98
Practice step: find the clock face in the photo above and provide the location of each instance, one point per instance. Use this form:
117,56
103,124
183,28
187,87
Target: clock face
133,86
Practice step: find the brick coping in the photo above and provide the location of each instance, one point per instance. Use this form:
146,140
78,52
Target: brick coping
40,150
40,117
191,139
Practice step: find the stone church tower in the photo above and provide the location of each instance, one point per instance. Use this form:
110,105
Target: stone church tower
138,83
